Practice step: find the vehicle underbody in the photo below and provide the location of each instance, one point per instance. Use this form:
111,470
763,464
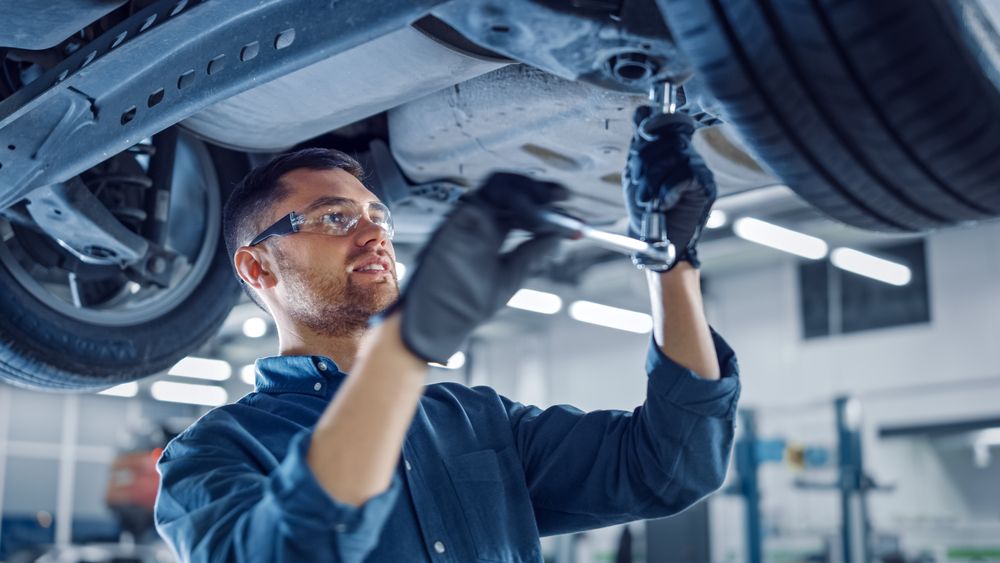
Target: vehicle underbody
106,108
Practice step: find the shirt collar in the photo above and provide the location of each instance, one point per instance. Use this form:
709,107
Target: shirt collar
313,375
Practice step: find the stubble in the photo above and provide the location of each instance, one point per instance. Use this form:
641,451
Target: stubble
334,306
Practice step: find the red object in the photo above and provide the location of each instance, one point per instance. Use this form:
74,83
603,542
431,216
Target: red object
134,480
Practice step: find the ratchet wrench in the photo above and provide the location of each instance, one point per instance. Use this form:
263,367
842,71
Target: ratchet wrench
576,229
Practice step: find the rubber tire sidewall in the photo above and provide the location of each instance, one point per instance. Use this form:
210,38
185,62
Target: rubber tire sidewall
828,97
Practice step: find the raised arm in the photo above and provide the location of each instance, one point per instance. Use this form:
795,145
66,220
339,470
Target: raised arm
679,324
356,443
462,278
592,469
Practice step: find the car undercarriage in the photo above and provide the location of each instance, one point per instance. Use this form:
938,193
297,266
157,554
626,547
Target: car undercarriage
124,124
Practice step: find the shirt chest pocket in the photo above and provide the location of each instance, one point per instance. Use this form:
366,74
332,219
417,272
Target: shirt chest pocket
490,488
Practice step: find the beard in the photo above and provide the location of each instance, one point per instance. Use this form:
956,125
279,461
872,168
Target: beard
334,306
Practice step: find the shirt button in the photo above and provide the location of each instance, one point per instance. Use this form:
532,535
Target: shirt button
439,547
406,462
340,528
321,366
318,386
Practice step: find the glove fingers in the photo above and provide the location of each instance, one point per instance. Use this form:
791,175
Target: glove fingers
473,219
663,125
502,189
641,113
516,199
652,127
518,264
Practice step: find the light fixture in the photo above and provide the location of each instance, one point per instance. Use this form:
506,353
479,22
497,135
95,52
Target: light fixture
716,219
400,271
248,374
456,361
611,317
871,266
984,439
202,368
989,436
536,301
189,393
254,327
130,389
780,238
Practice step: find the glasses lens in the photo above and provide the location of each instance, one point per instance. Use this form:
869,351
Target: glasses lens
335,219
379,214
339,219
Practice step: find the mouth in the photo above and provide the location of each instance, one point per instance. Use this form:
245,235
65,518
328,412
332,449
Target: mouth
374,266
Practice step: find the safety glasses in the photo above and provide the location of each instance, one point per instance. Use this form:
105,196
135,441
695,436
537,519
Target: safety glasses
329,216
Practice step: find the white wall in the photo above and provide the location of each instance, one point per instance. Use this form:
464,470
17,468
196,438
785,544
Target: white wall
946,370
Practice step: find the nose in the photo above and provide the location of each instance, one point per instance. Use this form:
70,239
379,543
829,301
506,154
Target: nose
370,234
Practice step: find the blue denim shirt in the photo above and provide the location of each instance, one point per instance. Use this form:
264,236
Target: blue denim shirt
480,477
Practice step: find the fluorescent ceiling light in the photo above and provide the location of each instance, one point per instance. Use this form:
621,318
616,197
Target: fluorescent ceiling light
189,393
202,368
400,271
456,361
612,317
254,327
780,238
536,301
130,389
248,374
870,266
716,219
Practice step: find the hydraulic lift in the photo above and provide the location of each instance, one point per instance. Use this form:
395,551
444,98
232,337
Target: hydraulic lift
852,483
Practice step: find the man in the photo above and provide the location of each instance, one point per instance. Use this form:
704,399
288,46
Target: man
343,454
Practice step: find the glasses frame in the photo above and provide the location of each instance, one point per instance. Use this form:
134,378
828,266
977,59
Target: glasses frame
290,224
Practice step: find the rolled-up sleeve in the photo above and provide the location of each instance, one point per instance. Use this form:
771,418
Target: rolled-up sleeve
591,469
216,504
686,389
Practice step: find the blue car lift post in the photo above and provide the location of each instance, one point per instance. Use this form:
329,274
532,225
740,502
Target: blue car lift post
853,484
747,464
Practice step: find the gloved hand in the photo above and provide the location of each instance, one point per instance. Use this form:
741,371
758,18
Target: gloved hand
668,167
462,279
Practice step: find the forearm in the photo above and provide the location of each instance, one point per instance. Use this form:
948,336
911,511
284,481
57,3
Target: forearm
215,503
357,441
679,325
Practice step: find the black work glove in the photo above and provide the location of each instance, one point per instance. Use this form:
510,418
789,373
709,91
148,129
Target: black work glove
462,279
668,166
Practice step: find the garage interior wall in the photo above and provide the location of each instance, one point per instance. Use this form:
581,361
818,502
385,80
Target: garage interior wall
55,458
942,371
923,374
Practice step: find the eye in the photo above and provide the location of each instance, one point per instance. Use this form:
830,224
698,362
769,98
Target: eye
335,218
378,214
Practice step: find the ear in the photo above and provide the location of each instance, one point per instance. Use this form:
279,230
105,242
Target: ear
251,268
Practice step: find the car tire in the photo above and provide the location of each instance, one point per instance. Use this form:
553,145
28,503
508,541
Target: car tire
883,114
44,348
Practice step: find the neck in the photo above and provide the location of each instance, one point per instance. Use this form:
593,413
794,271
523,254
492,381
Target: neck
300,341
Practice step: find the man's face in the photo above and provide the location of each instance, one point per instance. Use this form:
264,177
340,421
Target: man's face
320,283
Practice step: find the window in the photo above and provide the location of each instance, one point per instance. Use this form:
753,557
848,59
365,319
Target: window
834,301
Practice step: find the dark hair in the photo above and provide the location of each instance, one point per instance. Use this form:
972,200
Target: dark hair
250,201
